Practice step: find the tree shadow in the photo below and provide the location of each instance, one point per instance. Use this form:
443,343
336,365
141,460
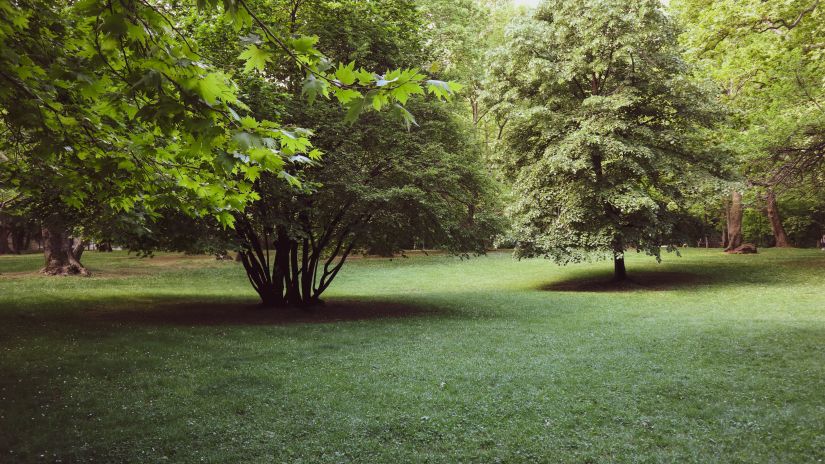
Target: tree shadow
192,313
636,281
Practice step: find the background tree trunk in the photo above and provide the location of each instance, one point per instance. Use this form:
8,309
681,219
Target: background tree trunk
59,252
619,270
776,221
734,220
78,246
5,232
18,238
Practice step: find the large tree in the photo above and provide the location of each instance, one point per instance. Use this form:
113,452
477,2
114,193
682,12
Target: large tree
379,190
606,130
105,104
109,104
380,187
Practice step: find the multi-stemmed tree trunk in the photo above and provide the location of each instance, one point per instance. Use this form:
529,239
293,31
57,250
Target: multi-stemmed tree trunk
62,252
286,270
772,211
734,221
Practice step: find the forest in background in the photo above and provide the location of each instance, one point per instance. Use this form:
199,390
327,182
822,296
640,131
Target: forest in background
298,132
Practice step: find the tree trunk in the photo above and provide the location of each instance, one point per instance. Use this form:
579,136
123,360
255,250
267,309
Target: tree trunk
734,221
287,272
776,221
59,252
619,271
5,233
78,246
255,258
18,238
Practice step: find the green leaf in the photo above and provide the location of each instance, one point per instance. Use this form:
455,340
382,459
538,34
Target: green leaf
294,181
256,58
379,100
304,44
346,73
402,92
245,140
440,89
355,108
214,86
345,96
252,173
126,165
67,120
312,86
406,117
226,219
248,122
365,77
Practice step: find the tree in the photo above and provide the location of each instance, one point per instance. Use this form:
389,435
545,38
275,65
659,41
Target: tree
606,132
766,58
109,104
379,188
105,106
772,210
734,221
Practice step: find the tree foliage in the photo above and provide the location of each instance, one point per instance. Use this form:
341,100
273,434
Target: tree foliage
379,188
607,128
766,58
110,104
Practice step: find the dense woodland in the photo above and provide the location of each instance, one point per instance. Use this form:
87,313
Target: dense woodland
296,133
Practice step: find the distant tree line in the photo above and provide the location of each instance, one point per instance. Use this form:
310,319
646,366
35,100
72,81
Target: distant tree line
290,134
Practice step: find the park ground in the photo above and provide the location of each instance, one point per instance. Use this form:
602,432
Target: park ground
706,358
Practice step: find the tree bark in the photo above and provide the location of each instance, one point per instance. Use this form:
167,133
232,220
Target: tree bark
5,233
619,270
734,221
78,246
59,251
776,221
18,238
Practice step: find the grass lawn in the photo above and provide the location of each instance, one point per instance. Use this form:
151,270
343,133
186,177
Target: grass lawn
713,358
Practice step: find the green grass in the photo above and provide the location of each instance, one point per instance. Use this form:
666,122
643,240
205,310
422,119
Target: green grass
426,359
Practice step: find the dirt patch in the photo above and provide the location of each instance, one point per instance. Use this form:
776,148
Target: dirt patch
636,281
216,314
18,274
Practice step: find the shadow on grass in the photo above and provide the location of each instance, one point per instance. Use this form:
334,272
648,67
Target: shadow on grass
190,313
636,281
732,271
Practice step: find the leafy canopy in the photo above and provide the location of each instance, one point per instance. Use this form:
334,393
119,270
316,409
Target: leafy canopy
606,128
110,103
